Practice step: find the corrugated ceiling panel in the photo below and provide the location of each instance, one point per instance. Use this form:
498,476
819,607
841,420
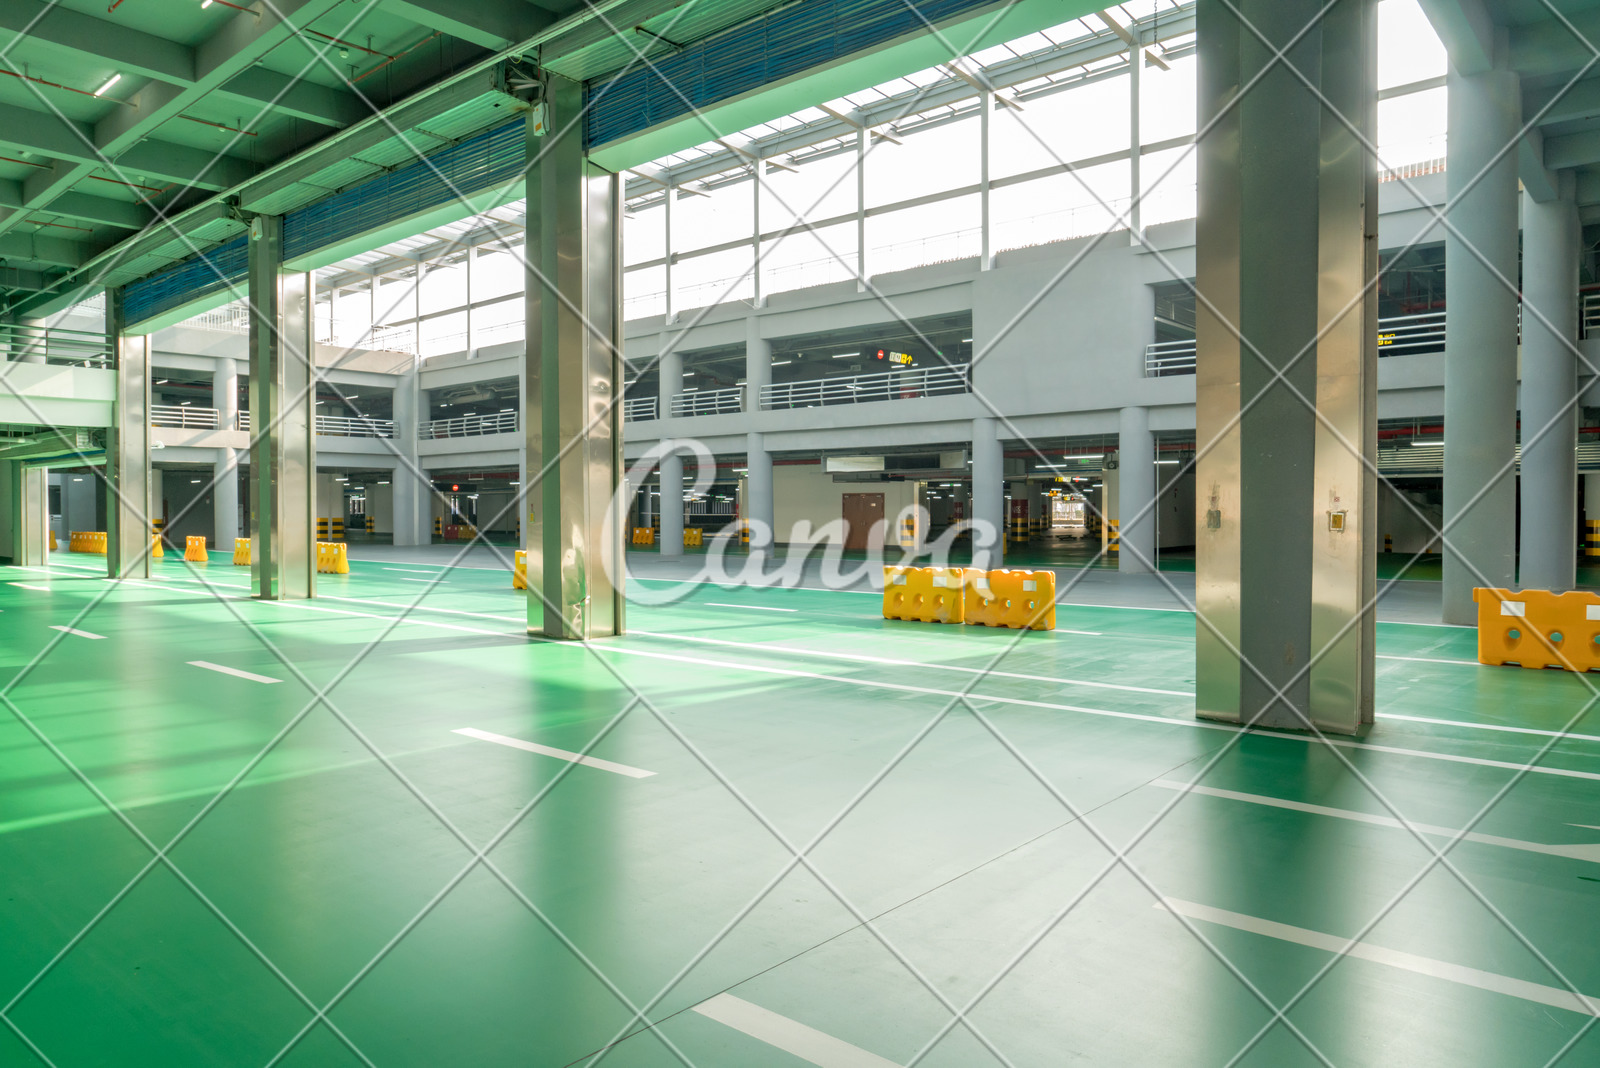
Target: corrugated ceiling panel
780,44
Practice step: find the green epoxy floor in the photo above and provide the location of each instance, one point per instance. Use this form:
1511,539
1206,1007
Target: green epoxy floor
324,855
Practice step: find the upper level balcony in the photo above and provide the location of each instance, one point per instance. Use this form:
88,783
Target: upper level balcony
909,384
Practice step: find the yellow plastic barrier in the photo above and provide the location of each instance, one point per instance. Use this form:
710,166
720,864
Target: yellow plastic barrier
156,550
241,552
519,570
53,540
925,594
691,537
644,536
86,541
331,558
1538,629
1013,598
194,549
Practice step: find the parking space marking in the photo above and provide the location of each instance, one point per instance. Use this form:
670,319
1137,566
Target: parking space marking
78,633
559,754
791,1036
209,666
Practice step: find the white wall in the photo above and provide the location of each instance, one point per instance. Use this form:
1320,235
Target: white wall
807,492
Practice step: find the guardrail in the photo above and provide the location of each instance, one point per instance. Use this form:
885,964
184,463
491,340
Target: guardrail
638,409
1398,335
339,426
468,426
709,401
55,344
183,416
908,384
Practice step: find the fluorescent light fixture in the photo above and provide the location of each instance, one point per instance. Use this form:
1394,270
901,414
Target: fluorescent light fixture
966,341
384,483
76,479
781,363
516,483
194,482
113,80
1166,461
843,355
182,403
1427,441
161,381
505,410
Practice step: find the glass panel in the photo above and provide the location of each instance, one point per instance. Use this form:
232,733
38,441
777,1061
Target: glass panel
1412,128
1408,49
805,258
499,323
702,281
644,234
728,214
644,293
820,189
1079,123
496,272
396,301
1059,207
930,161
444,334
1167,101
1168,197
352,317
444,285
930,233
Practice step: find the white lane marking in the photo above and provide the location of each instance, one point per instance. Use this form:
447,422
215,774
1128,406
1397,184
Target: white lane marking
423,608
791,1036
452,567
420,580
1430,660
390,619
559,754
79,633
863,658
1394,958
1585,826
209,666
75,567
412,571
1590,853
752,607
1493,727
25,586
1194,724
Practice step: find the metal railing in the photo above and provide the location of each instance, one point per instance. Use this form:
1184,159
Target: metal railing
468,426
1398,335
1591,311
908,384
183,416
638,409
55,344
339,426
709,401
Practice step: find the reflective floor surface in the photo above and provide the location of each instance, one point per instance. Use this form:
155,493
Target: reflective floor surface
768,828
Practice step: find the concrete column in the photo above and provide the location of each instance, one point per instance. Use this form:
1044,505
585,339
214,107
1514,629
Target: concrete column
757,363
225,498
412,519
573,315
30,342
1480,369
1550,240
670,369
1136,492
988,494
128,534
225,393
758,492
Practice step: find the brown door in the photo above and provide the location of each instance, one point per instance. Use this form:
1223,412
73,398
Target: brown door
861,510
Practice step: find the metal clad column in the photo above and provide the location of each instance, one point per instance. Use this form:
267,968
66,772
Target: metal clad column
670,368
1136,493
1480,368
757,363
1550,241
283,459
988,493
1286,243
411,492
29,498
573,377
128,534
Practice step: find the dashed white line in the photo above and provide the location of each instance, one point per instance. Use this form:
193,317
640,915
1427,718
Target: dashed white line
1394,958
791,1036
209,666
752,607
559,754
1429,660
78,633
411,571
420,580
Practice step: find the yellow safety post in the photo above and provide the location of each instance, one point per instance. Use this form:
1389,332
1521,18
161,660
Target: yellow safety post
1113,539
195,549
925,594
1013,598
908,533
1593,546
1538,629
372,525
241,552
52,540
1388,543
156,549
338,528
519,570
438,527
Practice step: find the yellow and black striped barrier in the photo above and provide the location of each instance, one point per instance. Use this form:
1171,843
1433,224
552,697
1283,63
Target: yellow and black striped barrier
1592,548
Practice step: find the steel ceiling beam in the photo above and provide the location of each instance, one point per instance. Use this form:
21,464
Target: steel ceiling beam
492,24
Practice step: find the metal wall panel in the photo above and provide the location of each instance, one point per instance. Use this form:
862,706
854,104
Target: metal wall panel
128,531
